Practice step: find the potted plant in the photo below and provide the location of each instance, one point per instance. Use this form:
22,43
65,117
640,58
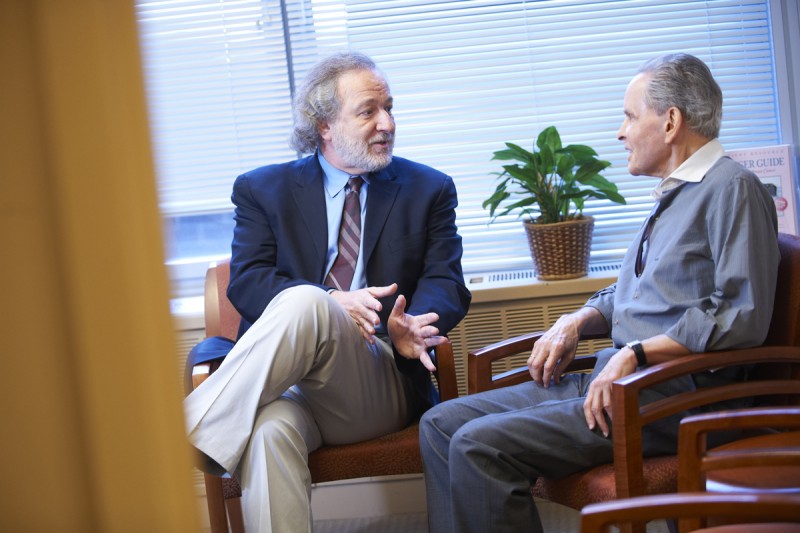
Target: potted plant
548,187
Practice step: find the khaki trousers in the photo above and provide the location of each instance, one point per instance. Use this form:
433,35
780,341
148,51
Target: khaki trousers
300,377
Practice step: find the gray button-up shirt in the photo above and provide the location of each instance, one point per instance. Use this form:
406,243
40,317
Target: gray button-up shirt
709,281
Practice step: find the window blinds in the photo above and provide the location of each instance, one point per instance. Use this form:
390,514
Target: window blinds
466,75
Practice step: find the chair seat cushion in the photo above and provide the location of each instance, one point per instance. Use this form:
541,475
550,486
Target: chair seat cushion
393,454
231,488
598,485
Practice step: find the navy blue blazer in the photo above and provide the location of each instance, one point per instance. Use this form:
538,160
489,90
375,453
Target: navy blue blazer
409,234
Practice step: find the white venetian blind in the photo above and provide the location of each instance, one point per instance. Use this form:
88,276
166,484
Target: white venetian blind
467,76
218,94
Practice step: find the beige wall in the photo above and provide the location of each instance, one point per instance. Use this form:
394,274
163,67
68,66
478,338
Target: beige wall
91,425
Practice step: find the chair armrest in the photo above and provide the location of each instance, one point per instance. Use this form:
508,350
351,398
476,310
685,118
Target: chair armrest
598,517
446,371
630,386
700,362
211,303
629,417
479,362
749,418
200,373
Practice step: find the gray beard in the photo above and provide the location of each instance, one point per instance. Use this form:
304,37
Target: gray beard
355,153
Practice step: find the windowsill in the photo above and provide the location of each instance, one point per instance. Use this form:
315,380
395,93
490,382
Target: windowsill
508,286
187,313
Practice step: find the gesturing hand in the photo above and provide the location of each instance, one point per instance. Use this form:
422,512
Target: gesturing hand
413,336
363,306
598,397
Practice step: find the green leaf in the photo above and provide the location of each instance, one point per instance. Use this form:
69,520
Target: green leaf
550,138
597,181
494,201
590,168
547,164
553,180
580,152
564,164
615,197
515,153
522,177
498,196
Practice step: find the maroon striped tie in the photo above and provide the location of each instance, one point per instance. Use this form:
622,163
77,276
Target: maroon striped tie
341,274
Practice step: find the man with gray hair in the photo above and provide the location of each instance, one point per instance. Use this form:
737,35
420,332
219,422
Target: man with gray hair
346,270
699,276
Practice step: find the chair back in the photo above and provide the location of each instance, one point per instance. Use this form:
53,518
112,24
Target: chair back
785,326
221,318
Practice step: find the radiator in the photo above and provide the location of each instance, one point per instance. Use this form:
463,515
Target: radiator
513,303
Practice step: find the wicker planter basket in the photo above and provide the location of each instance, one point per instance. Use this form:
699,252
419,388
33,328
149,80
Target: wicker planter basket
561,250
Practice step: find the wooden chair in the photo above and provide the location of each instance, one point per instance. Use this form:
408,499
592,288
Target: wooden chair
768,462
393,454
630,475
765,463
762,513
747,468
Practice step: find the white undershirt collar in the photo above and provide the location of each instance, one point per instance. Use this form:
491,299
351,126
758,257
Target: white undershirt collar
693,169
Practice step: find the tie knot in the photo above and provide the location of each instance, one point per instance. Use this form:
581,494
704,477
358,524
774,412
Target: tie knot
354,183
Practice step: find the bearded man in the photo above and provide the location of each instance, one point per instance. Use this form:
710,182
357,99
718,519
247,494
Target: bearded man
346,269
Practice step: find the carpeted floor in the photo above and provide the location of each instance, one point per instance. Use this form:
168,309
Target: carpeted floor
405,523
555,519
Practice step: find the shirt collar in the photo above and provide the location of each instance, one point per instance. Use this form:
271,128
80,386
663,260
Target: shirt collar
693,169
335,179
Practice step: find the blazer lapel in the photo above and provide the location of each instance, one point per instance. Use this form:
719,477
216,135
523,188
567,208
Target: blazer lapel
383,189
309,196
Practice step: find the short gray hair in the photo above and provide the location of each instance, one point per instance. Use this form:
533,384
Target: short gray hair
317,102
683,81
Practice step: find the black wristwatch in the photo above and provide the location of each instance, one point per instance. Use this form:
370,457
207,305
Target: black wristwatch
638,350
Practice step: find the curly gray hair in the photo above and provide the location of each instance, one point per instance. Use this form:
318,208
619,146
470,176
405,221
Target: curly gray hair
683,81
317,102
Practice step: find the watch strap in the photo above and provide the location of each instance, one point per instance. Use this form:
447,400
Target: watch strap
638,350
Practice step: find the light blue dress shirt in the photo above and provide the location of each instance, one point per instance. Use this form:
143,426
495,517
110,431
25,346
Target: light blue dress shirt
334,183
